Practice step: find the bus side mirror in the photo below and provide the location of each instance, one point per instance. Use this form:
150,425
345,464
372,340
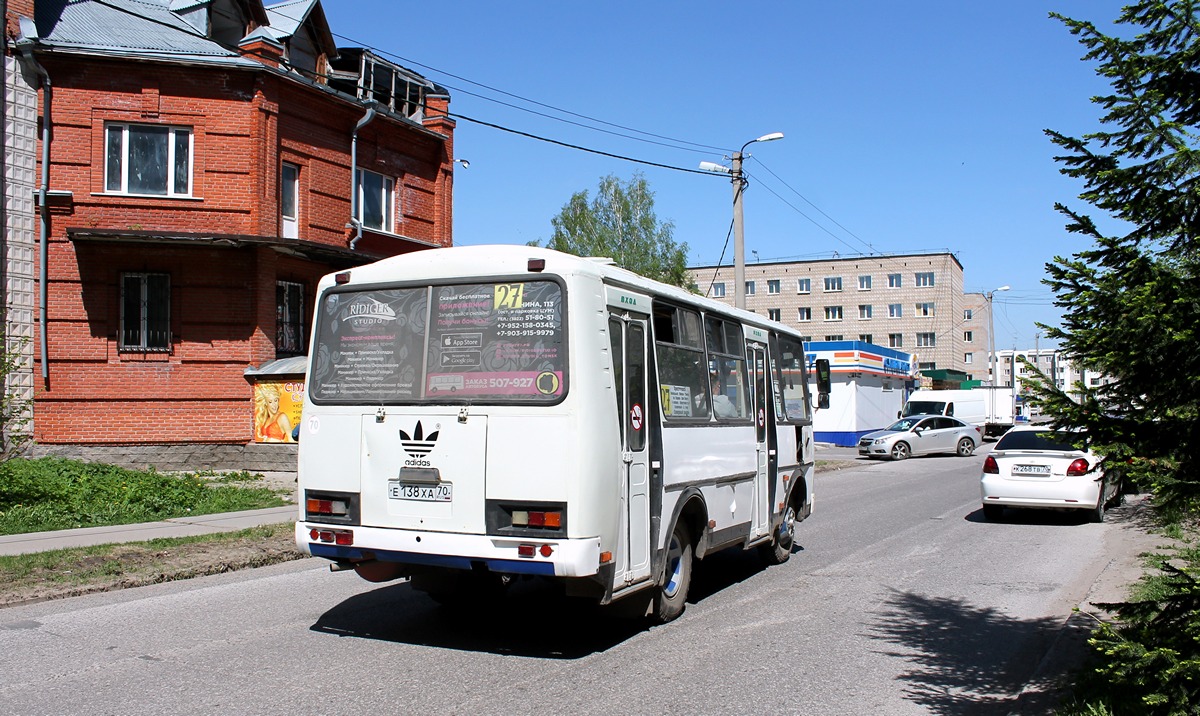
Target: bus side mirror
824,383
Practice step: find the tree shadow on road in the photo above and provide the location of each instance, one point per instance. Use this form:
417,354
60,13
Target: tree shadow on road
967,659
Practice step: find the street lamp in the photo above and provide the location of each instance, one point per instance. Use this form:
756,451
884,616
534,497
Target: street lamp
739,185
992,332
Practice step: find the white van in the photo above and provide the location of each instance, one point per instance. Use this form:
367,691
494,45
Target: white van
987,407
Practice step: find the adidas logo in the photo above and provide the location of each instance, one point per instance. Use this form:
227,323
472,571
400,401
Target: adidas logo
418,445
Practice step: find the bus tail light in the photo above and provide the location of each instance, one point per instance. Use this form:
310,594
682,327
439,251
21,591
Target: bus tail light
339,537
336,508
537,518
529,551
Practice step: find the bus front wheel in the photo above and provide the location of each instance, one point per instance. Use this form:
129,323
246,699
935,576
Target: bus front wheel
780,547
677,576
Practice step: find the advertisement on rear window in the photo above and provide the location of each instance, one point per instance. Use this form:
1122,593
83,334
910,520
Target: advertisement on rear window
495,341
370,345
501,340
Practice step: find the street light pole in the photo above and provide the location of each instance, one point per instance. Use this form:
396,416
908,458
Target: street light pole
992,334
739,185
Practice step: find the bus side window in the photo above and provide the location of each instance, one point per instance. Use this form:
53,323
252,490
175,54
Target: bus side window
950,409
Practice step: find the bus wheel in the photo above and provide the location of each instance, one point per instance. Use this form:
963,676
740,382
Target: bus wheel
677,576
780,548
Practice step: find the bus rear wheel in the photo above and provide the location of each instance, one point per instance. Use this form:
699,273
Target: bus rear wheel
780,547
677,576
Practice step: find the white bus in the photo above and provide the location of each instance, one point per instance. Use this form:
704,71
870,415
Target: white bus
480,413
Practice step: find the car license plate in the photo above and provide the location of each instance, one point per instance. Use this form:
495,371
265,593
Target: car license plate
1031,469
421,492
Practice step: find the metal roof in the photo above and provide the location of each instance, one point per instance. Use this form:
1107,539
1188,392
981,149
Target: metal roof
126,27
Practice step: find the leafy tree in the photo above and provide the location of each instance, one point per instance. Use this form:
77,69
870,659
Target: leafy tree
1131,302
620,223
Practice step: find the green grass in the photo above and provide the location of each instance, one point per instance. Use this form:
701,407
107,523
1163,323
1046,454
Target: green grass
55,494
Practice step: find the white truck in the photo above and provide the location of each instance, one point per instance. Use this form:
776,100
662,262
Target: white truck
987,406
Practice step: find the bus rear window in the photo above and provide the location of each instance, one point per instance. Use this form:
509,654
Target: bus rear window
485,342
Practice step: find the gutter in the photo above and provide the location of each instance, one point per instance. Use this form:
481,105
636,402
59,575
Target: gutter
26,44
354,222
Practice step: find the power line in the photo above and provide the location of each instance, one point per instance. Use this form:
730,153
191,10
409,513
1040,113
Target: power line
827,216
801,213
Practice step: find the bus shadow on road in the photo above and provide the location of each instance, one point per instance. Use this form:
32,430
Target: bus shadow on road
968,659
533,619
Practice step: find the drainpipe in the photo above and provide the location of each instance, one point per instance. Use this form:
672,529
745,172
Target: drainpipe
26,48
354,222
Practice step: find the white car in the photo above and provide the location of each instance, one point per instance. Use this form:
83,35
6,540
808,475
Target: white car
1032,466
921,435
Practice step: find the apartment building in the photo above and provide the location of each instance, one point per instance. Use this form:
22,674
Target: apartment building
909,302
179,174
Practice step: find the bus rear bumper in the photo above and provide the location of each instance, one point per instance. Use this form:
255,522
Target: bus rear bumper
567,557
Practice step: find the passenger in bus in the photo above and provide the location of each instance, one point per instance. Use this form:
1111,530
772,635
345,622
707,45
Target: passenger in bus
723,407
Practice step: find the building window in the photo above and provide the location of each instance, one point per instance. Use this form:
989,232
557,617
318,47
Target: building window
835,337
895,340
150,159
773,285
924,278
833,313
968,314
804,314
894,280
806,339
864,283
289,199
718,290
968,336
804,285
865,311
968,358
833,284
895,311
774,314
289,319
749,288
926,340
145,312
924,309
865,337
376,197
927,366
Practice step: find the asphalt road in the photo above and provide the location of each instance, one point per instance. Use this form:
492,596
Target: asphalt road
902,600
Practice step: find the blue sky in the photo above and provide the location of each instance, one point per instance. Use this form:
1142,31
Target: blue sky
908,126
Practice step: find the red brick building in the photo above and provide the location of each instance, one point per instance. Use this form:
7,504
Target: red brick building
208,161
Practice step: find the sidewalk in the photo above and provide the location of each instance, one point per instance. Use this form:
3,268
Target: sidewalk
177,527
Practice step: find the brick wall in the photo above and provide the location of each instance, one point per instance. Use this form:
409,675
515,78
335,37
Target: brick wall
222,299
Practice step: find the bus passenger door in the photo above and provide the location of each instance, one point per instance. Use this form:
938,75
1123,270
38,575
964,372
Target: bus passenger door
759,379
627,334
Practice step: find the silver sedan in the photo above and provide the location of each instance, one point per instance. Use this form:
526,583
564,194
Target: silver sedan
921,435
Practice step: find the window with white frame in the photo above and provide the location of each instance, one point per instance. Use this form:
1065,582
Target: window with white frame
149,159
864,283
923,278
895,340
718,289
833,313
968,314
145,312
289,200
968,358
833,284
865,310
926,340
773,285
924,309
749,288
835,337
894,280
289,319
865,337
968,336
804,285
895,310
804,314
376,201
774,314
